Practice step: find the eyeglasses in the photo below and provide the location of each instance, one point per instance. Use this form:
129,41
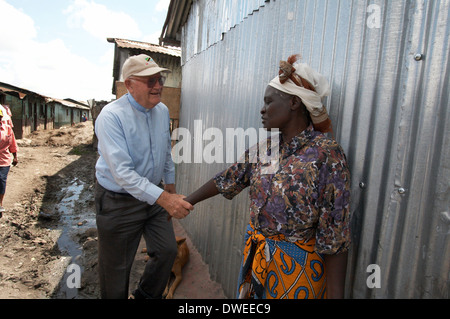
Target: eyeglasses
151,81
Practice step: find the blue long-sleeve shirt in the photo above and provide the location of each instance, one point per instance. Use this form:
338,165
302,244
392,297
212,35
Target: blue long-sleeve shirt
134,148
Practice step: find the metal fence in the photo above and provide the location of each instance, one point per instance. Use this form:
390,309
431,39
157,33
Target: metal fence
388,66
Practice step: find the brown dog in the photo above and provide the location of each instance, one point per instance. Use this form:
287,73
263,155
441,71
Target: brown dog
181,260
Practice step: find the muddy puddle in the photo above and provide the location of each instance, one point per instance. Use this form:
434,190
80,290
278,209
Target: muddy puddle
73,223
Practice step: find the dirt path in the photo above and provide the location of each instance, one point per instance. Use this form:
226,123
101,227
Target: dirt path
49,224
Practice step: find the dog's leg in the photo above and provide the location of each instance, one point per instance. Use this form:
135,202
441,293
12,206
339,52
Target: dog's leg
169,281
166,291
176,282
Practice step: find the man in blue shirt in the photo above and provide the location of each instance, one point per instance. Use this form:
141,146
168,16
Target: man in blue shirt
135,160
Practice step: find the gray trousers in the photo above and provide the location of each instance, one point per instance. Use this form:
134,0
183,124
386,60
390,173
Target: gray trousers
122,220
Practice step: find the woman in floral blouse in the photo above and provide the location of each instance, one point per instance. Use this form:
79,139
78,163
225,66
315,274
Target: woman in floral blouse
298,235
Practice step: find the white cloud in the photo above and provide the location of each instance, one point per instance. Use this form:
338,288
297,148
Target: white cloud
47,68
162,5
152,38
51,68
15,28
101,22
108,57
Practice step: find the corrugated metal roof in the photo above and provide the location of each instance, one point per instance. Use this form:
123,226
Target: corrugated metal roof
388,66
18,92
176,17
130,44
67,103
22,93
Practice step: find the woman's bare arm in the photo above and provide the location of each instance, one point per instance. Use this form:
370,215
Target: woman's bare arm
336,267
206,191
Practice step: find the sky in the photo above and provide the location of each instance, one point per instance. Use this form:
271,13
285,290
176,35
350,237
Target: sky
58,48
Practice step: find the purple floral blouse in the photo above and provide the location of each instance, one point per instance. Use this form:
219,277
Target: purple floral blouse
308,195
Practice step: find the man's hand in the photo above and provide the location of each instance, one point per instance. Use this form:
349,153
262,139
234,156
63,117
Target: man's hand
174,204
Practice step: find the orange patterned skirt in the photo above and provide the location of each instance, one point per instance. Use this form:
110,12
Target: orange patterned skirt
273,268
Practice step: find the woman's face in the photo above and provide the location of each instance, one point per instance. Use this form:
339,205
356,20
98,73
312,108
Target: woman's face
276,112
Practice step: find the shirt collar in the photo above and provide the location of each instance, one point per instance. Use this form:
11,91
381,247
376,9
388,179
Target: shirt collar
298,141
135,104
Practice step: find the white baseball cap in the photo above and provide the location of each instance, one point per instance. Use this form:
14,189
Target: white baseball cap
140,65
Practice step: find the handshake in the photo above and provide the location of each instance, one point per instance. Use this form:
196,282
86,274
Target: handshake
174,204
179,206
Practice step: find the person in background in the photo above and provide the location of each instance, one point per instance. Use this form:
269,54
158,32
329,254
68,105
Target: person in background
297,240
135,158
7,115
8,156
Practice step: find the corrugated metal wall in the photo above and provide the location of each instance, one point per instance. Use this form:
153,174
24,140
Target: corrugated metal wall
389,110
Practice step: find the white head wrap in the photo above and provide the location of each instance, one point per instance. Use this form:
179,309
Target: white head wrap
311,99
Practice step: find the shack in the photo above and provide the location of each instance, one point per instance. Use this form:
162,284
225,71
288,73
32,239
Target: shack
167,57
68,111
388,66
32,111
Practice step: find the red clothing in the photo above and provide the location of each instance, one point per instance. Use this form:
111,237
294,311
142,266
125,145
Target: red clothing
8,144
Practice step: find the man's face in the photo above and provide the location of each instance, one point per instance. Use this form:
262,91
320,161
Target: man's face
146,90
